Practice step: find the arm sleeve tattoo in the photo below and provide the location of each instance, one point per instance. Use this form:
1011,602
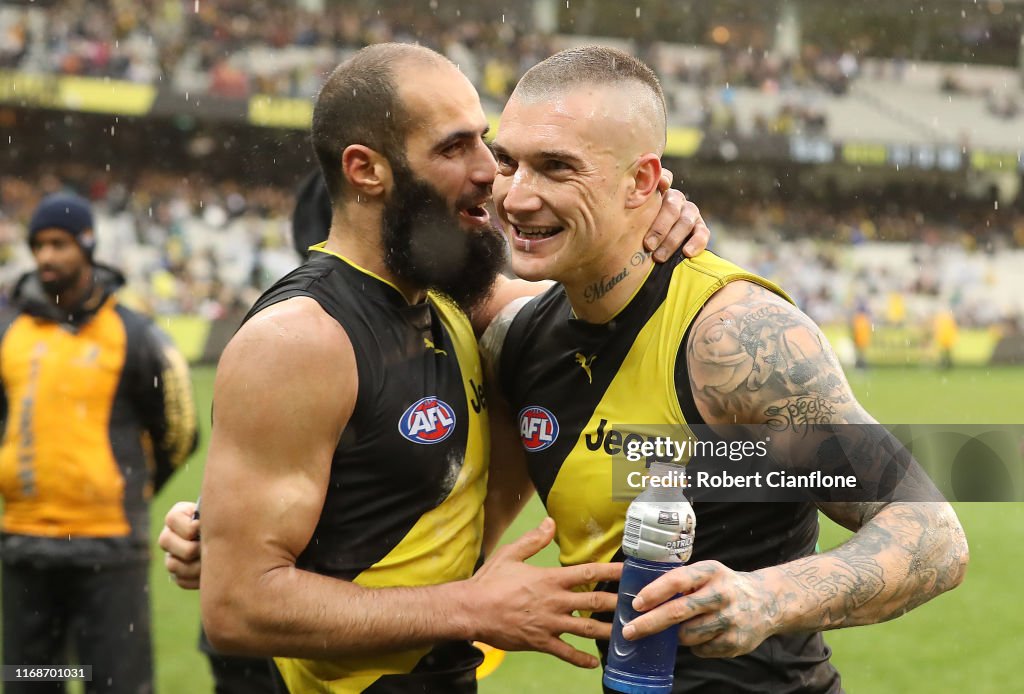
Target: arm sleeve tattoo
756,360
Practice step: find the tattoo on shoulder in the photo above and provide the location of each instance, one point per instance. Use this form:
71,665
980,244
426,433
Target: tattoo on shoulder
493,339
761,350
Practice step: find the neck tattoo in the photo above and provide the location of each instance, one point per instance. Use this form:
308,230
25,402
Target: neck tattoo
599,289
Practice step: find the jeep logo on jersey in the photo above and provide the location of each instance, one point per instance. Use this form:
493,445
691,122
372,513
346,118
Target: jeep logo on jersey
537,427
427,421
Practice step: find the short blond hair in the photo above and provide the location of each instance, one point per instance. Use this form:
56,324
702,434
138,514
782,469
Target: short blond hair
589,65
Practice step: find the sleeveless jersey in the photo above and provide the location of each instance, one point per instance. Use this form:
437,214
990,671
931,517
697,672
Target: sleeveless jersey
583,391
404,504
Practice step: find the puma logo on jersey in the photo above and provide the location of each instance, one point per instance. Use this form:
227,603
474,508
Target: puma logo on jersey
429,344
585,363
427,421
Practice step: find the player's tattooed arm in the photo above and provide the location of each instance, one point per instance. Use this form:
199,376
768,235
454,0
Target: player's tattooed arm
503,292
752,354
756,359
493,339
903,555
508,483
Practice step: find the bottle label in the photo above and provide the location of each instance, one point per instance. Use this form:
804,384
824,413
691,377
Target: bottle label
659,531
682,546
631,535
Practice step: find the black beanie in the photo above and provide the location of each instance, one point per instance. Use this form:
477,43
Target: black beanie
65,211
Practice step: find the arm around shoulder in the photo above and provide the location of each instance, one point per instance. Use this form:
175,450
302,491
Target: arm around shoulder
509,486
504,291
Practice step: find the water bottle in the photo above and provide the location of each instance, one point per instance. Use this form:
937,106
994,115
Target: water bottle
658,537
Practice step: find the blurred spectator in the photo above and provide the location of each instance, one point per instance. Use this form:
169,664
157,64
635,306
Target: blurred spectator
945,337
861,328
194,245
98,412
235,49
187,245
1002,105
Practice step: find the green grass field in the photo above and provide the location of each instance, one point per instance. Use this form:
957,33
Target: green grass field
963,641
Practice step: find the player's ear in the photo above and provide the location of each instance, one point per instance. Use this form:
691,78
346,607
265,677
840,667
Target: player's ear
644,182
366,170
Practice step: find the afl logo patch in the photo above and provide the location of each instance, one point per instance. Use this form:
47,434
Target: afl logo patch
427,421
537,427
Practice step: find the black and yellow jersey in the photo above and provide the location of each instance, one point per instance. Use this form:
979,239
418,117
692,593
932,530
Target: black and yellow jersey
98,411
404,504
582,390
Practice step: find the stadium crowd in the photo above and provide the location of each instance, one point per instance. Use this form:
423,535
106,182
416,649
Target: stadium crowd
189,245
193,245
186,244
233,49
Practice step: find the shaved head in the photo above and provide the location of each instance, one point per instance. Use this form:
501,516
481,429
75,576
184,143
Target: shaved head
641,99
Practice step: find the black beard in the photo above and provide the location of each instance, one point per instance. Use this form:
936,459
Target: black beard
60,285
425,245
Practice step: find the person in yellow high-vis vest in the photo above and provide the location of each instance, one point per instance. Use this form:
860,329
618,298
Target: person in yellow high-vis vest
98,412
946,335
